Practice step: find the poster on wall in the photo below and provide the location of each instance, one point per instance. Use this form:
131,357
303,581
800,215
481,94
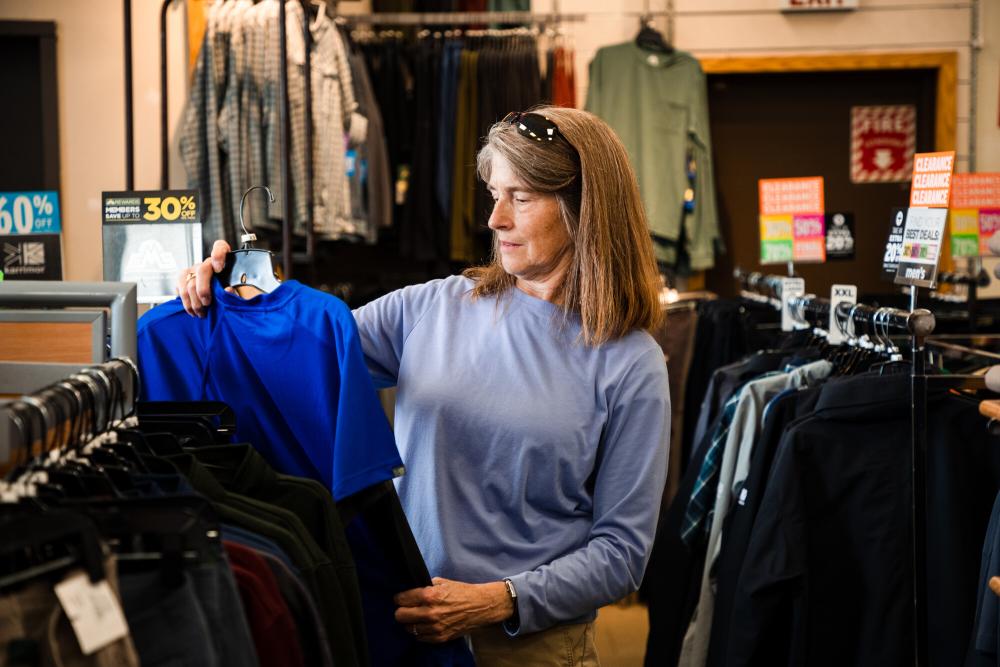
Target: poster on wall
149,236
883,142
30,236
792,225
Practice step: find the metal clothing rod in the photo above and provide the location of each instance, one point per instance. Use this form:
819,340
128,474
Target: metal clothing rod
129,133
307,107
462,18
283,112
164,130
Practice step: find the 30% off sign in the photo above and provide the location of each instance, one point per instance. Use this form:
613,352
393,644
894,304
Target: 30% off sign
169,209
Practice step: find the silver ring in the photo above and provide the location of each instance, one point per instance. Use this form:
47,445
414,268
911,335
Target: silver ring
191,276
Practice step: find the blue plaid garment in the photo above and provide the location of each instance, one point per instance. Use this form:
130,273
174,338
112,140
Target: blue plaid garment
701,506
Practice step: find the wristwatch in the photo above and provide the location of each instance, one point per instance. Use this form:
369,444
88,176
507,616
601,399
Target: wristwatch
512,624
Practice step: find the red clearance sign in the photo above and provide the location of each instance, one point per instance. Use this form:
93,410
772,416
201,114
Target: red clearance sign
883,140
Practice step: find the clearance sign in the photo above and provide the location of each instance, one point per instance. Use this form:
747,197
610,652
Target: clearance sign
792,226
974,214
932,179
930,193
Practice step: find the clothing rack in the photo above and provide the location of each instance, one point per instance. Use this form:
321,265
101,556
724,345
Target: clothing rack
918,323
112,388
462,18
286,254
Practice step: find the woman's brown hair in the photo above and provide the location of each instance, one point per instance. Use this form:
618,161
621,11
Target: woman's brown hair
612,281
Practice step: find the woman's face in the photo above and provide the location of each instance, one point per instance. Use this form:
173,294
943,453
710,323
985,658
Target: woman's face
532,239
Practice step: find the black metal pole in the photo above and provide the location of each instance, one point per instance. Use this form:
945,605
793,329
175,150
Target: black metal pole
164,110
286,185
129,134
307,71
918,432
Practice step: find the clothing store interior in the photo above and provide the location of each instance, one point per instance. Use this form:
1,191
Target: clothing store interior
225,454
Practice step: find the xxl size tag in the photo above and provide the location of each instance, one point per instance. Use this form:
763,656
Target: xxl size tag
92,610
839,294
790,288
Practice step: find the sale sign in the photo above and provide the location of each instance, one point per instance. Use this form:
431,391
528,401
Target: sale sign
792,226
883,141
931,183
974,214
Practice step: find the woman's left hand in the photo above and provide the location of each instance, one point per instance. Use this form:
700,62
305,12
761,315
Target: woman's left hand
450,609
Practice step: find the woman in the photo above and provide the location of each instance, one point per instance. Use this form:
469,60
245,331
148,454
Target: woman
532,409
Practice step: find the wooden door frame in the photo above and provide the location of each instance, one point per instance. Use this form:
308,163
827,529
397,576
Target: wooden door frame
946,107
945,62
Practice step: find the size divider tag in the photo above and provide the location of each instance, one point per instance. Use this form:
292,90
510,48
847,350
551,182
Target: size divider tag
839,294
93,610
790,289
922,238
792,225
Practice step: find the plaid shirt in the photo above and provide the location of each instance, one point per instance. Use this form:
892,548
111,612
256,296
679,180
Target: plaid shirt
701,505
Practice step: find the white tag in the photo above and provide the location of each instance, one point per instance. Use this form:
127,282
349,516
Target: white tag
790,288
93,610
840,294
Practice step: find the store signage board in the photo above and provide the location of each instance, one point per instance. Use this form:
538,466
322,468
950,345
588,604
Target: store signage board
840,294
792,225
840,242
149,237
817,5
894,246
30,235
883,142
974,214
923,234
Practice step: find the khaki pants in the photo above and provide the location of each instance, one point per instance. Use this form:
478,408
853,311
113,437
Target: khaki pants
561,646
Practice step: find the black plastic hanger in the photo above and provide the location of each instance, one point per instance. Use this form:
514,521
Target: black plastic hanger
249,265
651,39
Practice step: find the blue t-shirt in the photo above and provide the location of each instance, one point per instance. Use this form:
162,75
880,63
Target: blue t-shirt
290,365
529,454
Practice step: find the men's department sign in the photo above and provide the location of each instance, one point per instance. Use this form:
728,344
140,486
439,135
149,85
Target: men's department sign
883,141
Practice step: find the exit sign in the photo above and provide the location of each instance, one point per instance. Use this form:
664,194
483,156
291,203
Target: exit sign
817,5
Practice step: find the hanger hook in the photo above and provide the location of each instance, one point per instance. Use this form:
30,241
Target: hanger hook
247,236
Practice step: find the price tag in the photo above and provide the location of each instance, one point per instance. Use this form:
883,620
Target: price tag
922,237
150,236
840,294
30,228
790,288
93,610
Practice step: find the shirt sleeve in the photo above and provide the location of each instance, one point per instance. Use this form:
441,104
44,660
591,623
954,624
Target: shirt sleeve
385,324
628,486
592,104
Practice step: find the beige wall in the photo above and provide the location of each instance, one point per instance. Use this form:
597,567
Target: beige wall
89,57
91,98
988,123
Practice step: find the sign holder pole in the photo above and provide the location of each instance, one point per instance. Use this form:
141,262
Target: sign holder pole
918,447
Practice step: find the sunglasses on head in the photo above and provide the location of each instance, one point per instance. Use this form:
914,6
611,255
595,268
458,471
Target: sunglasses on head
536,127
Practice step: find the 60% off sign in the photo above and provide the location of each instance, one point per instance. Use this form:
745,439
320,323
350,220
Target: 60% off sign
29,213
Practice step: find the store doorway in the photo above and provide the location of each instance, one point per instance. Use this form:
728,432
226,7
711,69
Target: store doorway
773,119
29,116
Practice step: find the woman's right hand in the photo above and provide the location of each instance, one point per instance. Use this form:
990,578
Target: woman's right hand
194,285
